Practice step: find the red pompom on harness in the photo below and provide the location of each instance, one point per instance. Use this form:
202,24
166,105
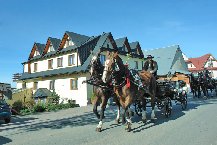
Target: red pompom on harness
128,82
127,77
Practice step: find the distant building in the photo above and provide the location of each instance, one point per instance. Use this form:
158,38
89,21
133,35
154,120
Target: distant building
5,91
206,61
170,60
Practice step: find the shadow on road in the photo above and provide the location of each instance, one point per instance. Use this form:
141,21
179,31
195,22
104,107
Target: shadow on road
88,118
4,140
30,124
177,112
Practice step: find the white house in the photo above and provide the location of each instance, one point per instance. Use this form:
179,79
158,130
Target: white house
206,61
62,65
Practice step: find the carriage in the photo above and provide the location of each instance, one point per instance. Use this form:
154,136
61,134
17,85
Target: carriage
167,91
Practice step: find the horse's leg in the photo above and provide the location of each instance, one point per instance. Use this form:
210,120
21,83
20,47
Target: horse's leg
128,119
199,92
144,118
103,106
95,104
152,107
117,120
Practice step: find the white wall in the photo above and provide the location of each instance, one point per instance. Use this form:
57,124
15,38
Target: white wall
190,65
19,85
43,64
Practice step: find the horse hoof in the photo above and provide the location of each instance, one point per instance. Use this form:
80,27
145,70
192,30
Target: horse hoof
98,129
144,120
128,127
117,121
153,120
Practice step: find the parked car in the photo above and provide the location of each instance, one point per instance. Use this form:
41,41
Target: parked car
5,111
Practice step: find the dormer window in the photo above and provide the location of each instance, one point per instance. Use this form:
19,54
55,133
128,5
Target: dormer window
36,53
51,48
68,43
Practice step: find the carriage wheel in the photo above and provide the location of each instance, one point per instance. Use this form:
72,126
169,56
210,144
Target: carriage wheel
168,107
184,102
138,108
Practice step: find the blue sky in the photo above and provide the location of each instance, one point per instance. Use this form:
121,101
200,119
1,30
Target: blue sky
154,23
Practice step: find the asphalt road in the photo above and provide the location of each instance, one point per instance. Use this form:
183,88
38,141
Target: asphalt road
197,125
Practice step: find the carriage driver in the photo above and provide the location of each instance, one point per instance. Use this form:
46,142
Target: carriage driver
151,66
207,74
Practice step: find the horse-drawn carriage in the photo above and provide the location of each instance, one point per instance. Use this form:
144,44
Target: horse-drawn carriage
167,91
130,87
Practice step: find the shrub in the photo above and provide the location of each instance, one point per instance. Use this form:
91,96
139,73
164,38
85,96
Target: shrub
29,104
25,111
51,107
54,98
18,105
39,107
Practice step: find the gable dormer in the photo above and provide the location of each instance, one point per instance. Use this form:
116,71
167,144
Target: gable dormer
136,48
72,39
51,45
109,41
37,50
123,44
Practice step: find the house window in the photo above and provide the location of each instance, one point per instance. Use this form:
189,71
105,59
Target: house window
52,85
73,84
59,62
24,85
102,59
142,64
50,64
35,86
35,67
136,65
71,59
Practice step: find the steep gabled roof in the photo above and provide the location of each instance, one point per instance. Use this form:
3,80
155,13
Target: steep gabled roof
55,42
169,59
77,39
123,42
120,42
135,47
42,92
37,46
40,47
100,41
199,62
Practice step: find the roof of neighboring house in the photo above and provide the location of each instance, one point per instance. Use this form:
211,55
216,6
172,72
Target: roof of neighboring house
40,47
42,92
55,42
199,62
169,59
5,87
77,39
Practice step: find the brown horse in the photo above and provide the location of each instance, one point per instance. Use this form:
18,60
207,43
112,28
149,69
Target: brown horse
102,91
126,87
